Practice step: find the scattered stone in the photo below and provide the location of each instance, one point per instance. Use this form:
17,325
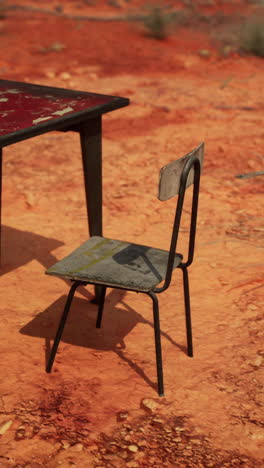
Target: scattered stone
127,426
141,429
224,388
167,430
158,422
257,435
133,448
30,200
65,444
179,429
223,281
258,361
122,415
65,76
78,447
132,464
149,404
5,426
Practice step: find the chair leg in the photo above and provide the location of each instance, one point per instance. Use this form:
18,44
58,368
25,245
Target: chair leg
157,342
100,306
187,311
61,326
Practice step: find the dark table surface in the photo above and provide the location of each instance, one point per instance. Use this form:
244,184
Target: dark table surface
28,110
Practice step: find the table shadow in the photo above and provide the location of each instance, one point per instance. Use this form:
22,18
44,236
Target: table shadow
21,247
118,321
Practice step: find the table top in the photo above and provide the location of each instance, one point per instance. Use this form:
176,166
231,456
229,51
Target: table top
27,110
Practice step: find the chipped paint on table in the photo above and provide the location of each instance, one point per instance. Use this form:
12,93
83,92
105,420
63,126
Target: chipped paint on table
25,106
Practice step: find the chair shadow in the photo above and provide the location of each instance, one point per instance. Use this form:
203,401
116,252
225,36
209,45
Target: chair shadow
80,327
130,257
21,247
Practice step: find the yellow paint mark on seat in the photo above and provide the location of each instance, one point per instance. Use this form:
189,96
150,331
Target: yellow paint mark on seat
97,260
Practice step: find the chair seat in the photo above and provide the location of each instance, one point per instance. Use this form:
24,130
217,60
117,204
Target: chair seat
116,264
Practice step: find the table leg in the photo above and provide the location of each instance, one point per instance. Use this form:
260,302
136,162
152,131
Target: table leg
91,145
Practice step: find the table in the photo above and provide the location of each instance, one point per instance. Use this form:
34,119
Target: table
28,110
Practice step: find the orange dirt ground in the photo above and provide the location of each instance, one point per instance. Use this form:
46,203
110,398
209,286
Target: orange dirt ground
99,406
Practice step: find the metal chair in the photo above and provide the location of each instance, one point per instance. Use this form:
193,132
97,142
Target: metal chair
117,264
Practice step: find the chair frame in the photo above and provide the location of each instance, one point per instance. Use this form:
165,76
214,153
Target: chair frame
191,163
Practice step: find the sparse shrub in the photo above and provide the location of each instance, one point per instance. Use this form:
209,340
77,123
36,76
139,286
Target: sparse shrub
252,38
113,3
158,22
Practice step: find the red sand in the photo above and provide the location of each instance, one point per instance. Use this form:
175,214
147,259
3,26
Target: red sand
211,413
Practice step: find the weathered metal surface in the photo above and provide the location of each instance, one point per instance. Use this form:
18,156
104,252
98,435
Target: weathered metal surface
27,109
115,263
170,175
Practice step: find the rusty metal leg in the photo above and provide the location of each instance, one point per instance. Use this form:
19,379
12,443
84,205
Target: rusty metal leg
91,145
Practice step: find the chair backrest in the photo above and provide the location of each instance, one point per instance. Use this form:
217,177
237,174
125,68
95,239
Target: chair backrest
170,175
174,179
